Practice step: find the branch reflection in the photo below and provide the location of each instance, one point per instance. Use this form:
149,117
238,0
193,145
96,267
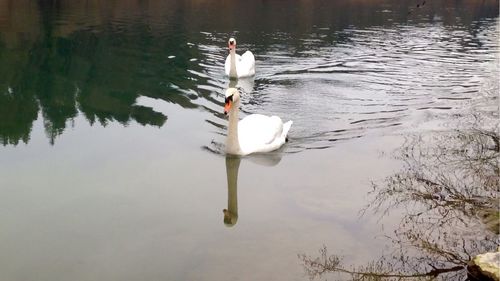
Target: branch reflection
448,193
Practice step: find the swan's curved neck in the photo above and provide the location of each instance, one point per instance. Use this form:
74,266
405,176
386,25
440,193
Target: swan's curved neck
232,141
232,62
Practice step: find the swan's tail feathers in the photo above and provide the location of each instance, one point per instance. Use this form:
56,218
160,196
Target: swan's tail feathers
286,128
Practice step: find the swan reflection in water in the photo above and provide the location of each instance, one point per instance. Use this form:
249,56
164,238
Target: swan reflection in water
245,85
231,213
232,167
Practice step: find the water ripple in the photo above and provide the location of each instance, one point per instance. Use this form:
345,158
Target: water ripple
388,74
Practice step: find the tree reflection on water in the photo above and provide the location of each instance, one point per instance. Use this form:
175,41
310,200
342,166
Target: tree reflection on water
448,193
62,59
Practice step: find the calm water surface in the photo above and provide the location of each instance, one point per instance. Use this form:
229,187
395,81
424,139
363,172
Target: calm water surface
112,132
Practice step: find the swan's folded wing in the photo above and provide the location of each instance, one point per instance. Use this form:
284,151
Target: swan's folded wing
227,65
245,64
259,130
248,58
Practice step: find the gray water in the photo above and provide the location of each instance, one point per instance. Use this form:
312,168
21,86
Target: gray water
113,167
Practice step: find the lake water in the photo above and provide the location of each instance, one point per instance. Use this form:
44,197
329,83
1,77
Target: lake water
112,130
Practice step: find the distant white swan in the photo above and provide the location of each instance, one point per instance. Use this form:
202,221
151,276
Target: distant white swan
255,133
239,66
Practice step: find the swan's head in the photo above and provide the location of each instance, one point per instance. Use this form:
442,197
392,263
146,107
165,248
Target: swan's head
231,44
232,97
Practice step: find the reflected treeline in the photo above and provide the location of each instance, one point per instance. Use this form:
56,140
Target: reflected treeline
448,192
60,59
62,69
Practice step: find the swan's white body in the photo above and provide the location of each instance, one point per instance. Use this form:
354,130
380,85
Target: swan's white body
237,66
256,133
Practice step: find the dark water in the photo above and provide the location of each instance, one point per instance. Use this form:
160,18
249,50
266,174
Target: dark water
110,114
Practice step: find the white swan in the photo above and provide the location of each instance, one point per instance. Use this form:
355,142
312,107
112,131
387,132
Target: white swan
255,133
239,66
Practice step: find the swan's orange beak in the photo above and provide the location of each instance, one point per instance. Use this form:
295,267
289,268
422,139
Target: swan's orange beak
227,106
231,45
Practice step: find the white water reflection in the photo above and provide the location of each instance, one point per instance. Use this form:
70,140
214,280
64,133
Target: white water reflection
245,85
378,80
